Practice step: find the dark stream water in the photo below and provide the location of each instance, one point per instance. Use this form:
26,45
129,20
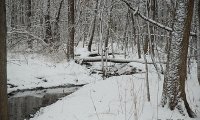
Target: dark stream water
24,104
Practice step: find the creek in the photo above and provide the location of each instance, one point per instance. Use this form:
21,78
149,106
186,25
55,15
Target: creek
23,104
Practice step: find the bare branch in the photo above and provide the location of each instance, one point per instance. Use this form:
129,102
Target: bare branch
28,33
136,12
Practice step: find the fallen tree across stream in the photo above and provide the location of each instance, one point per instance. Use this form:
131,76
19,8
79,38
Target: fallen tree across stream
114,60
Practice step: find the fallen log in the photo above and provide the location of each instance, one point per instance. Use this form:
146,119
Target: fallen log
98,59
95,54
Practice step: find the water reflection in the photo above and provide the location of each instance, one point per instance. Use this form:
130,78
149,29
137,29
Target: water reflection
24,104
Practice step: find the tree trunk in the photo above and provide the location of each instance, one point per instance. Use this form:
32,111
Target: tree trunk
3,64
48,32
56,33
108,28
28,21
198,39
134,31
13,15
153,13
176,71
71,30
147,78
125,36
93,28
138,39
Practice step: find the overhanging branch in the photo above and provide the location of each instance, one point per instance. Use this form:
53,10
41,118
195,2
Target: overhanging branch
136,12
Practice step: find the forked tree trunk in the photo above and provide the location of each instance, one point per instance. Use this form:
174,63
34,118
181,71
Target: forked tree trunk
71,30
3,77
176,72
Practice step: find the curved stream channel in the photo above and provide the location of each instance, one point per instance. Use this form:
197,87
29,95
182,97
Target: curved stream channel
23,104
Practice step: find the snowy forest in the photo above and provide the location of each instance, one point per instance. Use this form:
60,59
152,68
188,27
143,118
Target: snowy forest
100,60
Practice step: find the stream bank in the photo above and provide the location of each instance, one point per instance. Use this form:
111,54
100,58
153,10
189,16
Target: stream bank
23,104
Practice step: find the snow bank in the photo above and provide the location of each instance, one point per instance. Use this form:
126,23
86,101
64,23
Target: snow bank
34,72
117,98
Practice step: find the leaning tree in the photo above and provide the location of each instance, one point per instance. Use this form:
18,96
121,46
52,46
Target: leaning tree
176,72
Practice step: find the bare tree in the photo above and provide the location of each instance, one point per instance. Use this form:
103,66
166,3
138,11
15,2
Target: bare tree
48,32
56,33
3,77
176,72
93,27
108,26
28,20
152,11
138,39
71,30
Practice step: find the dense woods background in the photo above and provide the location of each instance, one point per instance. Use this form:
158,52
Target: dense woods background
167,31
36,25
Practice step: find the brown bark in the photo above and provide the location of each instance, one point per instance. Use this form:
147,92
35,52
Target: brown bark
3,77
176,71
184,53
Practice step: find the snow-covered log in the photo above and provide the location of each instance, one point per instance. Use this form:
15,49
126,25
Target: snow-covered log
96,54
98,59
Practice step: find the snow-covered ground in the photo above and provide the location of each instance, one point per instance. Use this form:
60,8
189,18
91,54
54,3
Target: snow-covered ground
121,98
31,71
116,98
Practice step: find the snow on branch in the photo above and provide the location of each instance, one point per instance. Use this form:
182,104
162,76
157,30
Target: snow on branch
28,33
136,12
